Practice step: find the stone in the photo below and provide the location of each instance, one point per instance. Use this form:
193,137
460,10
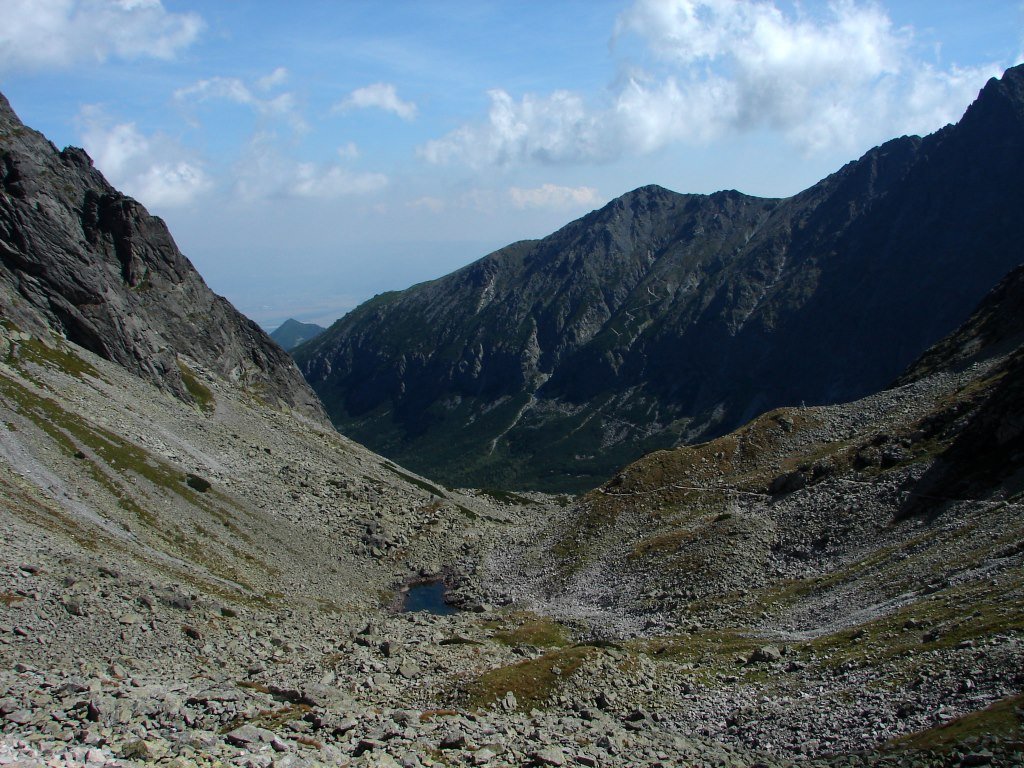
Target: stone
140,749
483,756
344,726
549,756
368,745
453,739
75,607
977,758
249,736
765,654
176,599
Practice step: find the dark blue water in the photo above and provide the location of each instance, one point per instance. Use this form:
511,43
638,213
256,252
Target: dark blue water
427,596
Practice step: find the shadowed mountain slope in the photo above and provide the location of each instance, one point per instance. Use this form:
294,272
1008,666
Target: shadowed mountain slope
665,318
876,544
81,259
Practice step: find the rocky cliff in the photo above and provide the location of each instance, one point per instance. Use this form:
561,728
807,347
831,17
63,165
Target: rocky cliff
79,258
665,318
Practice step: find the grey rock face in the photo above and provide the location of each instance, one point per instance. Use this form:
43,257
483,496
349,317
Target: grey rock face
665,318
79,258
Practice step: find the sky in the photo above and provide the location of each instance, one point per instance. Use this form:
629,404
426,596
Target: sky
309,155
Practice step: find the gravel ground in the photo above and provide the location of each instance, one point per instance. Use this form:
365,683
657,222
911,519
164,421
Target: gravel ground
187,587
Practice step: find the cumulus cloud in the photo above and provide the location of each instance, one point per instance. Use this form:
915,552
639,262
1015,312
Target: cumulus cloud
845,79
822,82
153,169
231,89
552,196
263,172
56,34
378,96
553,129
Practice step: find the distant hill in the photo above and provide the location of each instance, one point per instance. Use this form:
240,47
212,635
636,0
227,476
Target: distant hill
664,318
291,333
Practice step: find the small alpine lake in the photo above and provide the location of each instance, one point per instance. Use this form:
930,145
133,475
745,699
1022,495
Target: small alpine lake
427,596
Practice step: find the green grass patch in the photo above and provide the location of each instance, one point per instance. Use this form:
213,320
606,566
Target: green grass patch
711,652
507,497
199,391
60,358
533,682
115,464
955,615
530,629
422,484
1004,719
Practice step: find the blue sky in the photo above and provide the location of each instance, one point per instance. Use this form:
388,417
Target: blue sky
308,155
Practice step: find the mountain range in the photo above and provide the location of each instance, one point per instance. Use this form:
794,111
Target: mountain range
664,319
198,570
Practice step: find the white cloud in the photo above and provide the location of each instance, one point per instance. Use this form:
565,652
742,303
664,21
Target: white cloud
278,77
57,34
283,106
378,96
348,151
554,129
844,80
428,203
931,94
552,196
264,173
332,181
153,169
821,82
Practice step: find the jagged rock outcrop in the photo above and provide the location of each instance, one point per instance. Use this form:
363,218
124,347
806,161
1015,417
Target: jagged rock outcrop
79,258
666,318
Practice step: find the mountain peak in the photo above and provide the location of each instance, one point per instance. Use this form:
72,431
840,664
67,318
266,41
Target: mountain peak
665,318
999,107
291,333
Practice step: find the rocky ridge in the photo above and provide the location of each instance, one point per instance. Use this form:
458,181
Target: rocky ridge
81,259
664,318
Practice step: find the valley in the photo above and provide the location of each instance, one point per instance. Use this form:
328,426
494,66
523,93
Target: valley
199,570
